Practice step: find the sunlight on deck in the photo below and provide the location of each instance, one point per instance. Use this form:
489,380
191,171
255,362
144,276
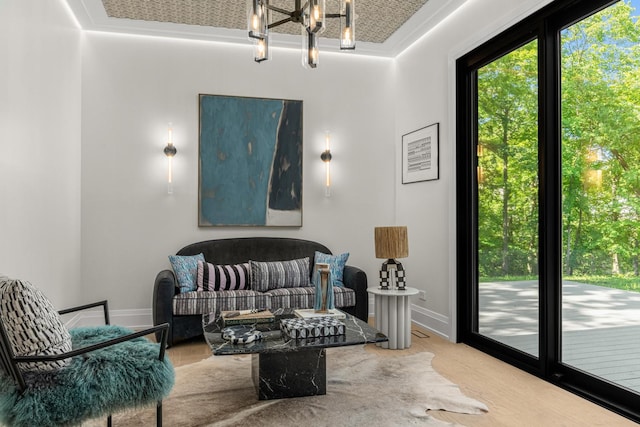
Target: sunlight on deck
601,326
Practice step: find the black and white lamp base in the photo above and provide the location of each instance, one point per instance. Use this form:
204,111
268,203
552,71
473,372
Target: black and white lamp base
392,275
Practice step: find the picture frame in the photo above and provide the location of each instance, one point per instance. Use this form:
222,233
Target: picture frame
249,161
421,154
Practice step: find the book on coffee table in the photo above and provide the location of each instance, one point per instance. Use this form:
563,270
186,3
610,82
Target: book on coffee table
310,313
247,317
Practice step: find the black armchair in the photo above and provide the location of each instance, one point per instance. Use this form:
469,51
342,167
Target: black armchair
97,378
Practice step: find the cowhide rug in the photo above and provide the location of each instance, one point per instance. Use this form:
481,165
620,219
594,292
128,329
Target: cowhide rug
363,389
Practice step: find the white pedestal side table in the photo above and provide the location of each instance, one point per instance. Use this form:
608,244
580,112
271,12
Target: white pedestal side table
393,316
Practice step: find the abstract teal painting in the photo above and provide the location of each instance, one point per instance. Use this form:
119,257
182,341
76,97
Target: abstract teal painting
250,162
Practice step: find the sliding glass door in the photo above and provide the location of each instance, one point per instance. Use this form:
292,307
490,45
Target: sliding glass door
507,176
548,198
600,65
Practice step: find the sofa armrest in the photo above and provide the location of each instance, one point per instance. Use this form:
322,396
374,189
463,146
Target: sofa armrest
164,289
356,279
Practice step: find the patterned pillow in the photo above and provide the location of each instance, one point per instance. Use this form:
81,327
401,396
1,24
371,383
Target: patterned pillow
279,274
186,269
33,326
222,277
336,265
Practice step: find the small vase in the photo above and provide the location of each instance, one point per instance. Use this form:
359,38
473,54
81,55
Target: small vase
323,282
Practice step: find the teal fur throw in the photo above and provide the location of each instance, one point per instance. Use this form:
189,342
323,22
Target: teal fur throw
94,384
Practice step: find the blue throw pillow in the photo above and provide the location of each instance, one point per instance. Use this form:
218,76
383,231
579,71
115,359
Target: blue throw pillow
336,264
186,270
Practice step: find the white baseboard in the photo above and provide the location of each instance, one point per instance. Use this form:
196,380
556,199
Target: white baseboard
430,320
133,319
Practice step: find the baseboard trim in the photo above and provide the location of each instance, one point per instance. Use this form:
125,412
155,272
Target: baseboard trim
134,319
435,322
430,320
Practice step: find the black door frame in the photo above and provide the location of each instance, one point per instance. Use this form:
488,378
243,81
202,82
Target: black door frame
545,26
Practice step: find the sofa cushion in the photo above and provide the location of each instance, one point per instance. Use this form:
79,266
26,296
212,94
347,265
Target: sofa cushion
279,274
301,297
336,265
216,301
344,297
212,277
33,326
186,270
304,297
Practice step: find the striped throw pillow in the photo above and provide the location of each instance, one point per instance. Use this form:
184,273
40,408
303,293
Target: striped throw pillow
222,277
279,274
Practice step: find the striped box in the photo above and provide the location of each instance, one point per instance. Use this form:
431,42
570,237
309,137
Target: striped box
312,328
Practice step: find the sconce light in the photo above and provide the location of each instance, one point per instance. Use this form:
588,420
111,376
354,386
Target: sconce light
326,158
170,151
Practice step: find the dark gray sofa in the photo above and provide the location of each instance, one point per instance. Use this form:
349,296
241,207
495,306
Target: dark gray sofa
234,251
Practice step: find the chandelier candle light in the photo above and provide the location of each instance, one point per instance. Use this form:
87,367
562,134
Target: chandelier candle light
391,243
312,16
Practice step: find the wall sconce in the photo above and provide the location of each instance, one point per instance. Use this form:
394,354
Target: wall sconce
326,158
170,151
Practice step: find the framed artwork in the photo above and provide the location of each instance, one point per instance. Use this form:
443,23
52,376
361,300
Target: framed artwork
250,162
420,154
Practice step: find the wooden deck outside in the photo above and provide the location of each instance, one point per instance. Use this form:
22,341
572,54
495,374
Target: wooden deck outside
600,326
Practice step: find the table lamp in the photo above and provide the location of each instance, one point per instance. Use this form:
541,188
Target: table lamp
391,243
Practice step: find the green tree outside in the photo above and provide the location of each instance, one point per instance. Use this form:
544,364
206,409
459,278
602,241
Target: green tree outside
600,155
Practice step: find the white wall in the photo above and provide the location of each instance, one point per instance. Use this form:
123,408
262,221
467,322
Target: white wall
425,89
122,220
132,86
40,146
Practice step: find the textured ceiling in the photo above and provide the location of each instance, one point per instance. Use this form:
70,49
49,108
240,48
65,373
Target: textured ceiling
376,20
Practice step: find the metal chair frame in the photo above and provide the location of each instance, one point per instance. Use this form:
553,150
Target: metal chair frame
9,361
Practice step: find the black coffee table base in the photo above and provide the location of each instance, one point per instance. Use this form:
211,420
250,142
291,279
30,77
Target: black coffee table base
298,373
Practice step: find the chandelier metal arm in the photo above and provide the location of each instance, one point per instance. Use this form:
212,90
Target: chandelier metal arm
283,21
297,15
277,9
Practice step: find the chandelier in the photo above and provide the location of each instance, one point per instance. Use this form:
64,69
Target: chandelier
312,16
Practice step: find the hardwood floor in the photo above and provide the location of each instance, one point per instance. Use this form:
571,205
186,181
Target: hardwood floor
514,397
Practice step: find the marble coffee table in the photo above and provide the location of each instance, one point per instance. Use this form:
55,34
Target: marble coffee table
284,367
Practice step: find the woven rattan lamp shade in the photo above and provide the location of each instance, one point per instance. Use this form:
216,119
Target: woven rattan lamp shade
391,242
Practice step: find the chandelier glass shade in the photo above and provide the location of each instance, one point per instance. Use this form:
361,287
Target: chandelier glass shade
311,15
347,26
